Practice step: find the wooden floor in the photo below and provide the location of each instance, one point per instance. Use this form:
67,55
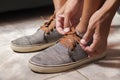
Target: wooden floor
14,66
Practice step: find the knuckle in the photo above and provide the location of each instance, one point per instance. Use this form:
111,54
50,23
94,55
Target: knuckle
67,13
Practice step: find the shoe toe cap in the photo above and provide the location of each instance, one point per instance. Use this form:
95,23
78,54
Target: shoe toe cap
21,41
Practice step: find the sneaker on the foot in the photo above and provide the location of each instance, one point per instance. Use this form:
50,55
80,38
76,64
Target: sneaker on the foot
65,55
44,37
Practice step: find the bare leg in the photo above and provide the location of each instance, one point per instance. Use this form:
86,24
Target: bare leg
90,6
58,4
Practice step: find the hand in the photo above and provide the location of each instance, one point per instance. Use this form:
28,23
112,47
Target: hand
68,16
98,29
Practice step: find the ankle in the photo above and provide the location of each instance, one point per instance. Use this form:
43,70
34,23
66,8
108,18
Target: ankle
81,27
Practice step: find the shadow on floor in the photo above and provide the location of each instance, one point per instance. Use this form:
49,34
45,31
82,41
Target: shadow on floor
112,59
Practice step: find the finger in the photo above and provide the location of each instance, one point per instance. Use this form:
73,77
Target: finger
88,35
93,48
82,46
67,22
90,52
60,20
59,24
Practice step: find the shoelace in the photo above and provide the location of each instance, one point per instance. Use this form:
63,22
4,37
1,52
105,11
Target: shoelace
49,26
70,39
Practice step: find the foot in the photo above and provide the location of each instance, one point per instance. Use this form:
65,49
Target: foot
64,55
44,37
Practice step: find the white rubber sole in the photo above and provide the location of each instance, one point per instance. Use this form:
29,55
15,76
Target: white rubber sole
60,68
32,48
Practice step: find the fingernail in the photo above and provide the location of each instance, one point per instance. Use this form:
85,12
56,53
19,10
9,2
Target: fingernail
61,16
83,42
66,29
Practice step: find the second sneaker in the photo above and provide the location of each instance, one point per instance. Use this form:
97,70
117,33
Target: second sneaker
44,37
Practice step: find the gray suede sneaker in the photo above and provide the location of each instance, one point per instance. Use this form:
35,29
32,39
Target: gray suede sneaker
44,37
65,55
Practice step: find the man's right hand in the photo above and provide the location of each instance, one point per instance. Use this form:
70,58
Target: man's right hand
68,16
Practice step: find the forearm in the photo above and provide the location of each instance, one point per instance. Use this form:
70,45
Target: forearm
110,7
107,12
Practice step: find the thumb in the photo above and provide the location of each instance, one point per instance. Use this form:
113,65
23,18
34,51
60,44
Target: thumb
88,35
